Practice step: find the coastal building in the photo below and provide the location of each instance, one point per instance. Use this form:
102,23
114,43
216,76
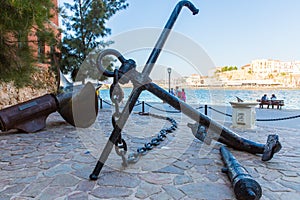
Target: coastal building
196,80
260,72
267,68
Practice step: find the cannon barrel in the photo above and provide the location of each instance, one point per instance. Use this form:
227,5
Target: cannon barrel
78,105
245,187
29,116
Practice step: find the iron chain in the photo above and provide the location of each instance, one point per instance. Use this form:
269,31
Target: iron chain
134,157
116,96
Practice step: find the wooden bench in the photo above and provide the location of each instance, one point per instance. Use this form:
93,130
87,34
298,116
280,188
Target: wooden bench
278,103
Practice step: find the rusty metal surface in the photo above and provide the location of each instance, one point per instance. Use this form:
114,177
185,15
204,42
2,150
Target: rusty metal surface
29,116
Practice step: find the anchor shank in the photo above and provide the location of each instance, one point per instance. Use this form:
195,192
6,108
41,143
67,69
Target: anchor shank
164,35
226,135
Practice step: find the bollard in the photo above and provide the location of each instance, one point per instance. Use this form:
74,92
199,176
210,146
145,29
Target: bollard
143,106
205,109
101,106
244,186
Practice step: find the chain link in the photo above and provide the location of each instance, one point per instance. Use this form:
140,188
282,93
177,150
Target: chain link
135,156
116,96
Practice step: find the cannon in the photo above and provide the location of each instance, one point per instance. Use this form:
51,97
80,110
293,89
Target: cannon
245,187
141,81
77,105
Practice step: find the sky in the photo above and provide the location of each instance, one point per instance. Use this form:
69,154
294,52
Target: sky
223,33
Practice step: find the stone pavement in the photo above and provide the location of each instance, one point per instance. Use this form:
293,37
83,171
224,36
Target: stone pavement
55,163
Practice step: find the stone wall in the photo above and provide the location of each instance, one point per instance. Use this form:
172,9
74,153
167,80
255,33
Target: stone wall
43,82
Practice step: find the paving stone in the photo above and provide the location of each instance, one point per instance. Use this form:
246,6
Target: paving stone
59,169
173,192
290,195
53,192
13,189
83,173
111,192
25,180
170,169
50,164
269,195
161,195
19,198
292,179
10,158
156,178
11,167
118,179
4,196
35,154
290,185
79,166
77,195
65,180
183,165
182,179
200,161
84,158
36,187
146,189
213,177
289,173
273,186
207,191
86,185
201,169
272,176
52,157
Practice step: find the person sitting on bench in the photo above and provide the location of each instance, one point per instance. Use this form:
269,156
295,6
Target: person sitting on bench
263,98
273,97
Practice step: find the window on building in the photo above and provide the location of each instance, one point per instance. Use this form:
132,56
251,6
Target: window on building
41,50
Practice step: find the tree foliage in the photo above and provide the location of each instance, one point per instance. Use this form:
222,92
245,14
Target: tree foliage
85,22
226,69
18,19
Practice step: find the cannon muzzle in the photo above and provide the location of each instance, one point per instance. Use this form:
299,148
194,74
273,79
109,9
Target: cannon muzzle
245,187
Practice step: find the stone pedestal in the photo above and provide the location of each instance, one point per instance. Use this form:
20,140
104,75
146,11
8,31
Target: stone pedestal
243,114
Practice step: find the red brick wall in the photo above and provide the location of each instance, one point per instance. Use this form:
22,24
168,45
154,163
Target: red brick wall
33,40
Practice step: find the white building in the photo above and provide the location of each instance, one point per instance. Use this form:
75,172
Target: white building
264,68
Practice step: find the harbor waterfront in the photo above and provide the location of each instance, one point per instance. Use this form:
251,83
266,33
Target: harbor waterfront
218,96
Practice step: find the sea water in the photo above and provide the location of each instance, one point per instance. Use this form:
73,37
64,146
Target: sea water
221,96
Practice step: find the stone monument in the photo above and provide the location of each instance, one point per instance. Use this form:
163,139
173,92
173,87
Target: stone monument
243,114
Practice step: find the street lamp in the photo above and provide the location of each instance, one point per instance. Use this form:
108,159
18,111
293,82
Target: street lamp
169,71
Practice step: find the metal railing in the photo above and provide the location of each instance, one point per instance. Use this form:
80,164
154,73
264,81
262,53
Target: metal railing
205,107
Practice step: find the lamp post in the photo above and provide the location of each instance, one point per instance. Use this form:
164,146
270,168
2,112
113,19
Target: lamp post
169,71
